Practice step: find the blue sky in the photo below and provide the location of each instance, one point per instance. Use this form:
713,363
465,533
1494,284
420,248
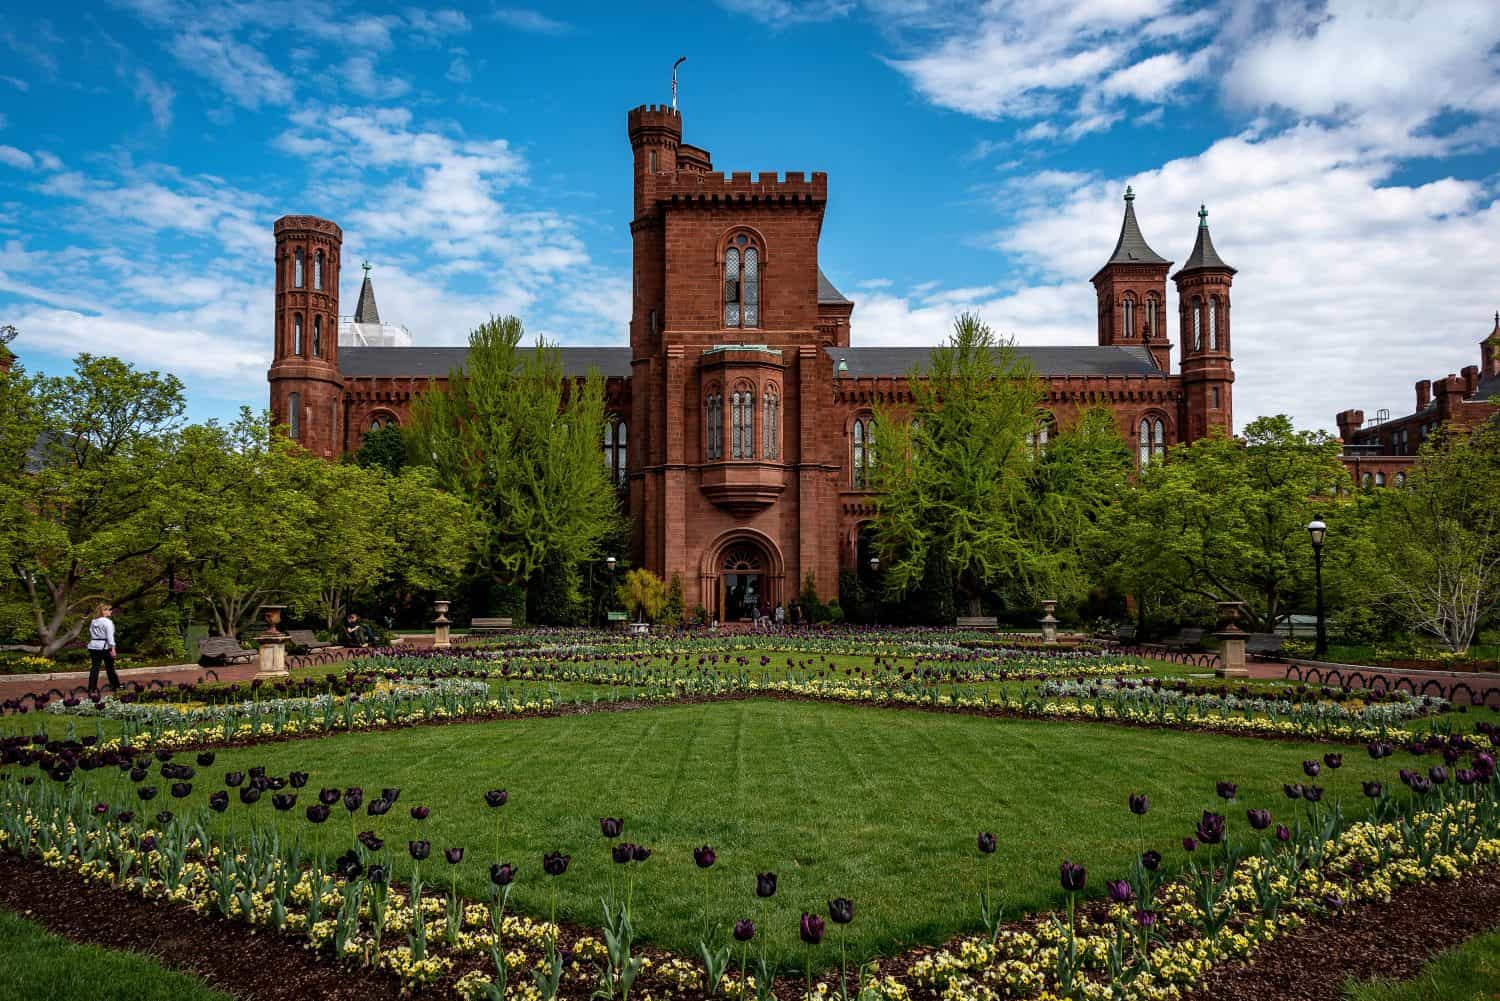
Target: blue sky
476,154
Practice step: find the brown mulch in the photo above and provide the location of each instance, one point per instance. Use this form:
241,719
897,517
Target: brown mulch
250,964
1392,940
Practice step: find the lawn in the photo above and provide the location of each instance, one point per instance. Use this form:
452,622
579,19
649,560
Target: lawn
881,806
41,965
1469,973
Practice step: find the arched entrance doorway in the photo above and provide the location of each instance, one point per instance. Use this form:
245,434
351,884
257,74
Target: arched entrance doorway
743,582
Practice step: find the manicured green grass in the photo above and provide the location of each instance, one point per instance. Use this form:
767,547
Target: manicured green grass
881,806
1469,973
40,966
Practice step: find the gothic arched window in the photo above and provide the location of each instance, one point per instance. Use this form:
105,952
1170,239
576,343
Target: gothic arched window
297,268
294,416
1151,316
317,340
742,282
296,333
714,433
614,452
1129,317
863,453
771,425
742,423
1197,324
1151,440
1213,323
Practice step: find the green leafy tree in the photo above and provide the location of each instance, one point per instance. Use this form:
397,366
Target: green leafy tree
1225,520
434,532
518,439
642,594
674,610
1438,540
84,515
382,449
352,548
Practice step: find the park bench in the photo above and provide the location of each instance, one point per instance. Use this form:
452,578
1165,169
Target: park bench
490,625
215,650
1125,635
1188,639
983,623
1264,646
306,639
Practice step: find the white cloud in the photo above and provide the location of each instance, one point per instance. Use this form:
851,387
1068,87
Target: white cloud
777,13
157,95
12,157
363,77
525,19
242,71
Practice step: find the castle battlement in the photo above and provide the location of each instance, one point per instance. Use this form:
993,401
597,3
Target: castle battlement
768,185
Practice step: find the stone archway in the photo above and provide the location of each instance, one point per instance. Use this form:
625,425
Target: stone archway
742,571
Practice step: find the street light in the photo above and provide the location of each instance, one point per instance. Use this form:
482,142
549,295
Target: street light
1316,529
609,562
874,564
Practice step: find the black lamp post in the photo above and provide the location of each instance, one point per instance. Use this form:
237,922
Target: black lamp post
1316,530
874,571
609,599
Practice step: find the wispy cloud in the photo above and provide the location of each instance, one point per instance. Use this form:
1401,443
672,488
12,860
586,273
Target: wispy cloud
526,19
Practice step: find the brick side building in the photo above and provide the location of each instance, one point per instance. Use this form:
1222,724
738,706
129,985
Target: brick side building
742,410
1379,452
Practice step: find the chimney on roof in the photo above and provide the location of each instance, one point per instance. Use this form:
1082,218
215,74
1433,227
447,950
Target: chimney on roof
1471,380
1424,393
1349,421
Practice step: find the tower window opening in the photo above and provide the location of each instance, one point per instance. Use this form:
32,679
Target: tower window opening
714,443
1151,441
318,271
1213,324
1197,324
1151,317
297,268
742,283
771,425
862,451
1129,331
294,416
317,338
297,333
742,424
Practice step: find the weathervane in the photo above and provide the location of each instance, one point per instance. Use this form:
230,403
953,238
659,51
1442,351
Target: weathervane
366,266
679,62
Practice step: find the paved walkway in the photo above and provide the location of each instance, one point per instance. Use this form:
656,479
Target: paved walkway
15,685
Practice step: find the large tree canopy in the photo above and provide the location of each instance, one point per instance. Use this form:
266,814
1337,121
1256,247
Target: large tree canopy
519,439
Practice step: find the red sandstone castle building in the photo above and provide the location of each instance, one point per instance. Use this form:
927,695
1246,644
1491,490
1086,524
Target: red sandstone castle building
740,436
1380,452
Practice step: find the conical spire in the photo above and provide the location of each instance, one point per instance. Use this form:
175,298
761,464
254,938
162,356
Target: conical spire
365,310
1131,248
1204,255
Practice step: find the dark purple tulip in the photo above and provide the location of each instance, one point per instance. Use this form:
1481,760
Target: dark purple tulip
1465,776
354,797
419,812
1210,828
1151,860
611,827
744,930
811,928
502,873
297,779
162,754
556,863
765,884
125,816
453,855
1312,793
622,852
370,840
233,779
1292,791
1283,833
249,795
1311,768
317,813
377,875
348,865
378,807
1139,803
1145,919
1333,901
164,818
1373,789
1188,845
392,794
1259,819
138,774
1073,876
496,798
704,856
148,844
1420,785
146,792
1227,790
1438,774
258,772
284,801
205,758
419,849
182,790
641,853
1334,761
329,797
100,809
1120,891
1406,775
841,909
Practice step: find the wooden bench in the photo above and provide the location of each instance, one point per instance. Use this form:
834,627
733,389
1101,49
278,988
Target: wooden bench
215,650
1188,639
983,623
306,639
490,625
1125,635
1264,646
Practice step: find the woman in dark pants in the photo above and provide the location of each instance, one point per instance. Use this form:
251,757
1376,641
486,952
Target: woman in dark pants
102,648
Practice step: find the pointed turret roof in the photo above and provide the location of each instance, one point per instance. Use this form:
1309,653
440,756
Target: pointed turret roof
1132,248
1204,255
365,310
1494,334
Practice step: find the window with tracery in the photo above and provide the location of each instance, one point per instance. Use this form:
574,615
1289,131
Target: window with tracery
297,333
862,456
317,340
294,416
1129,317
742,283
1197,324
1213,324
1151,440
297,268
714,427
318,270
1151,316
771,425
742,423
615,452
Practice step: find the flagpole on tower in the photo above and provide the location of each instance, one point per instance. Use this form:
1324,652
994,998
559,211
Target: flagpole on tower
679,62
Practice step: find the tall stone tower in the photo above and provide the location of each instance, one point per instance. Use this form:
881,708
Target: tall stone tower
306,387
1203,307
1132,293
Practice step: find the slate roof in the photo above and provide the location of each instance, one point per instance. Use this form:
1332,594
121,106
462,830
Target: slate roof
1131,247
424,362
365,311
1046,361
1204,255
826,291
